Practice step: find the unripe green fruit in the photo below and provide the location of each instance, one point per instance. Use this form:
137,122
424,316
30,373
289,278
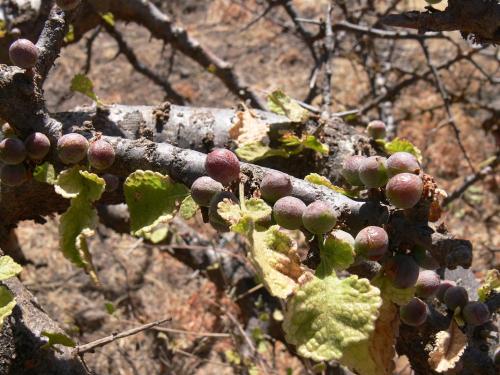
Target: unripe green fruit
204,189
476,313
443,287
427,284
372,172
456,296
13,175
287,212
101,154
112,182
217,221
350,169
376,129
372,242
37,146
223,166
402,270
23,53
12,151
275,185
402,162
319,217
68,4
414,313
404,190
72,148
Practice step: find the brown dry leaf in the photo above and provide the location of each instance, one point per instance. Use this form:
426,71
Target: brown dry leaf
248,128
448,348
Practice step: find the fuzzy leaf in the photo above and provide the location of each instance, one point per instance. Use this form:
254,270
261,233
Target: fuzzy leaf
243,218
317,179
188,208
398,145
75,182
257,150
336,254
326,316
56,338
45,173
388,290
448,348
7,304
491,283
280,103
8,268
152,199
82,84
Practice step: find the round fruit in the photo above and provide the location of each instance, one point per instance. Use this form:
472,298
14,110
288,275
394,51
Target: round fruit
72,148
376,129
372,172
402,162
476,313
23,53
223,166
217,221
319,217
424,258
372,242
13,175
427,284
112,182
12,151
101,154
68,4
456,296
402,270
350,169
414,313
287,212
37,146
275,185
404,190
204,189
443,287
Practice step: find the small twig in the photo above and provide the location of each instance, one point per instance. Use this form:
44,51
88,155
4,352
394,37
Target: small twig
81,349
192,333
329,47
88,46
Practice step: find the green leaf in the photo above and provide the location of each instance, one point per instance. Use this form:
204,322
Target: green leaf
56,338
388,290
8,268
45,173
188,208
76,181
317,179
109,18
399,145
253,151
276,260
280,103
156,234
7,304
152,199
491,283
296,145
110,307
336,253
311,142
70,35
325,316
82,84
243,218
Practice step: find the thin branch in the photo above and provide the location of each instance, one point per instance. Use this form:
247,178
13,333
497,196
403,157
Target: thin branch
329,47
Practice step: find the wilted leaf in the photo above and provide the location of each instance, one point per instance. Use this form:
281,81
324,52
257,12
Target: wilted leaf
326,316
448,348
242,218
109,18
45,173
77,181
82,84
248,128
7,304
257,150
491,282
188,208
56,338
8,268
313,143
399,145
388,290
317,179
336,254
280,103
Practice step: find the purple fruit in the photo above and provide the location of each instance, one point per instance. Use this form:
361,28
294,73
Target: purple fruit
376,129
13,175
72,148
223,166
319,217
350,169
402,162
275,185
372,172
204,189
287,212
404,190
68,4
402,270
456,296
443,287
372,242
217,221
37,145
101,154
476,313
23,53
12,151
427,284
112,182
414,313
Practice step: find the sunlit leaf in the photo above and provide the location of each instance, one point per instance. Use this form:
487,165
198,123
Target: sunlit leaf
109,18
317,179
280,103
448,348
7,304
57,338
45,173
82,84
336,252
400,145
188,208
388,290
491,283
255,151
8,268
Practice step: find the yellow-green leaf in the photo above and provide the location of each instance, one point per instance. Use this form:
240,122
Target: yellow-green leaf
56,338
388,290
82,84
76,181
253,151
70,35
282,104
45,173
8,268
336,252
7,304
317,179
188,208
109,18
491,283
401,145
